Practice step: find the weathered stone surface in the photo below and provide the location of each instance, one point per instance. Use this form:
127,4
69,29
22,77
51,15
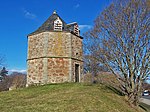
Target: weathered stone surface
80,70
76,48
52,57
35,71
58,71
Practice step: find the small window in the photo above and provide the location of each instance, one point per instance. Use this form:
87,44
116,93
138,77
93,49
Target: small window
58,25
76,29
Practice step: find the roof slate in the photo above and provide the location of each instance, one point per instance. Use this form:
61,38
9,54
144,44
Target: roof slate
48,25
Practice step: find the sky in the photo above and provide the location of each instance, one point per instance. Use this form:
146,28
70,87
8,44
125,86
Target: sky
18,18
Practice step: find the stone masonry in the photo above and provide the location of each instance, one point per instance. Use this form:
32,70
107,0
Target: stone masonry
54,56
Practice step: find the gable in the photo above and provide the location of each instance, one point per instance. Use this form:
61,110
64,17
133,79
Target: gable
58,25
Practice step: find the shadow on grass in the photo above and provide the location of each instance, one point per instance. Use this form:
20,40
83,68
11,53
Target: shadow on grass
144,107
115,90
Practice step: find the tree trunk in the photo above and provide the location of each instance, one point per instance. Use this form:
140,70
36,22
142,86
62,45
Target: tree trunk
133,99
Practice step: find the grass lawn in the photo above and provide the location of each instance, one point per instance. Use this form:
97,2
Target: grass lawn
68,97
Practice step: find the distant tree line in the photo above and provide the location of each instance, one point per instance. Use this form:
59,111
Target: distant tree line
13,81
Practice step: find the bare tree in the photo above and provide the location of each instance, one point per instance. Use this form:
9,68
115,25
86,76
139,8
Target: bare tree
91,65
18,80
120,40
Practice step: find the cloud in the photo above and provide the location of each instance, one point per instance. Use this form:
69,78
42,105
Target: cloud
77,6
17,70
85,27
28,14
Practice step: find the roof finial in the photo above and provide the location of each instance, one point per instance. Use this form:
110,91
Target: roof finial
54,12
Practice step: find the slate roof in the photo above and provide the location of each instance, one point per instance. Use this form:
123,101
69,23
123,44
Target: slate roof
48,25
70,26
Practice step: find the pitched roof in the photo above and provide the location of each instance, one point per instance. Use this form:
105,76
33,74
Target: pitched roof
70,26
48,25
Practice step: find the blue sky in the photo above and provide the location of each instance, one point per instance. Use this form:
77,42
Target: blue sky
18,18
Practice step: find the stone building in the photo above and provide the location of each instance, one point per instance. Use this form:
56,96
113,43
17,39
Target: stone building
55,52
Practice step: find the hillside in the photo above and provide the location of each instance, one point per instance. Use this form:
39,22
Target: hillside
63,98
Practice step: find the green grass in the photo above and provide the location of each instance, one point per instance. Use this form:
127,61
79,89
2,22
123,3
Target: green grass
68,97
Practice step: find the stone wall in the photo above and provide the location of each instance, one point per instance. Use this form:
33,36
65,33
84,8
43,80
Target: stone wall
77,47
52,57
77,56
35,71
36,46
49,44
59,44
80,70
58,70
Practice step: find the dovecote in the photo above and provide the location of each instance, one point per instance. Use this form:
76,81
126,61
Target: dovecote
55,53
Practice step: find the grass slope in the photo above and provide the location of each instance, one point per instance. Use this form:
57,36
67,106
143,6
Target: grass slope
63,98
145,107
